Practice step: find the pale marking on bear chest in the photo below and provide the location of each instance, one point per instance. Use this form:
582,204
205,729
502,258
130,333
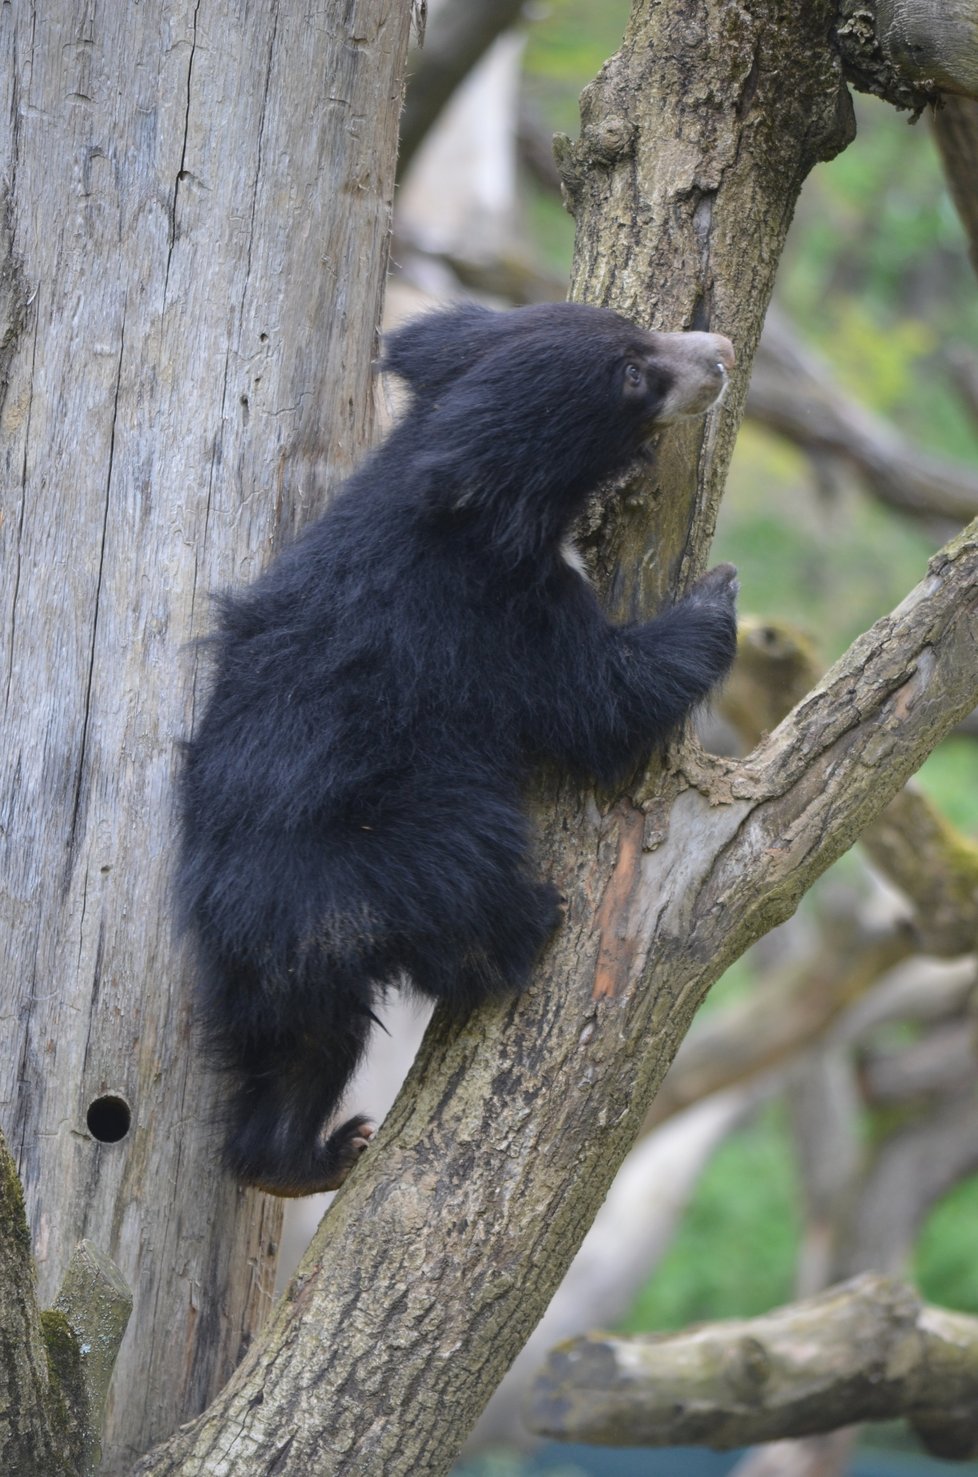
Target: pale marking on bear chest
571,556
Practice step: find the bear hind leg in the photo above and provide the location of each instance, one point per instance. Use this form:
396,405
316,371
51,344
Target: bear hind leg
492,957
285,1094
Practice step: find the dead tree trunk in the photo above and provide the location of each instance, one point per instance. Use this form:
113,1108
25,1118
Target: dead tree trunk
194,207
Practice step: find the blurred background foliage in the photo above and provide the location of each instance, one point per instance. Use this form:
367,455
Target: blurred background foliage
876,281
875,276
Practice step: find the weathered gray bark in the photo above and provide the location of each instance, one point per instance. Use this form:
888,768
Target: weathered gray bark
194,206
867,1350
446,1244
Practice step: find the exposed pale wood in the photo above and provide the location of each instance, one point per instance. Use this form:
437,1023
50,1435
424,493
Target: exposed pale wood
195,206
869,1349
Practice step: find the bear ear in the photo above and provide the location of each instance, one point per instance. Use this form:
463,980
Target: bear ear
431,352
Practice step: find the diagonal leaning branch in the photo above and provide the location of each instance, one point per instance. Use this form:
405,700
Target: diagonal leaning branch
812,786
497,1142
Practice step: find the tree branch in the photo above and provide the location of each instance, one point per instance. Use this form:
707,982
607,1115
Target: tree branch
913,1168
730,1046
920,852
809,789
869,1349
793,393
933,43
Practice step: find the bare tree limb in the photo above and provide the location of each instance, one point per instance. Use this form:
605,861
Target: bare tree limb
933,43
867,66
794,393
733,1044
934,866
913,1168
939,1065
923,991
869,1349
909,51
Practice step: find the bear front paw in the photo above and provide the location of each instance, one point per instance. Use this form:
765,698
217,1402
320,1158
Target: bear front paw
719,586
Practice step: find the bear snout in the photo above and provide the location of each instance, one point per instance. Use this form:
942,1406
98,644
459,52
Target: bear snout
699,365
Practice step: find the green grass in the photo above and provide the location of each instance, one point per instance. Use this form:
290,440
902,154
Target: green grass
946,1260
950,779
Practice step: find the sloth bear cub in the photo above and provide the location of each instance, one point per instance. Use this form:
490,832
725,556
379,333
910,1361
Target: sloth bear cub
351,811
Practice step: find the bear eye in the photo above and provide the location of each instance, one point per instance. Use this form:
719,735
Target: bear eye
633,375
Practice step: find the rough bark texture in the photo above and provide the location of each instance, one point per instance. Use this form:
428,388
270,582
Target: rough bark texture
695,140
449,1239
195,205
32,1437
57,1364
866,1350
932,43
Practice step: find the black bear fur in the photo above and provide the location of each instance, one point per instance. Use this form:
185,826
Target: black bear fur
351,799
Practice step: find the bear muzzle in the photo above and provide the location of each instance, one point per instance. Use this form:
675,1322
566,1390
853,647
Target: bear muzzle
699,366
